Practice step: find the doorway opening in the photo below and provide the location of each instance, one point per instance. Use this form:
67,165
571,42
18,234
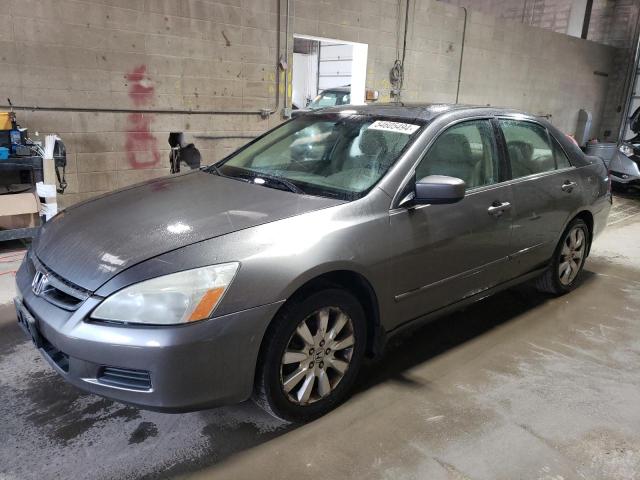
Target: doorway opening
327,72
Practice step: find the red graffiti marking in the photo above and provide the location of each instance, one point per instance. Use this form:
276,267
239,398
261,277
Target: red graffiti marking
140,140
141,90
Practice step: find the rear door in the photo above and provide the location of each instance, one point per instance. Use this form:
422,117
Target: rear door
546,190
443,253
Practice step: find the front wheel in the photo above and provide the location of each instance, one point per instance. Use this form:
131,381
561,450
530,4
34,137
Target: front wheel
311,355
568,260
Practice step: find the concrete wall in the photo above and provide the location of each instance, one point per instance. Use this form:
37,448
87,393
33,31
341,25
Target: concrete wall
545,73
612,21
548,14
205,55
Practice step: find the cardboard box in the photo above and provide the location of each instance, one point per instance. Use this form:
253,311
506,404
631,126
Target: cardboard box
25,220
19,210
5,121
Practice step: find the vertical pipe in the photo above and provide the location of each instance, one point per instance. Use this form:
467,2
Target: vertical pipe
400,83
587,19
286,56
319,44
464,34
278,53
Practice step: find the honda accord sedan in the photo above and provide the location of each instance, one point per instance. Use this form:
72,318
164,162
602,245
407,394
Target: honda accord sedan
271,276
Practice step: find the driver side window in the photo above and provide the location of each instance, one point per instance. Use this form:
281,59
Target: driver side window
466,151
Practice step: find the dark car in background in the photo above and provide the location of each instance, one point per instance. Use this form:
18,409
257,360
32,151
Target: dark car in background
624,164
272,274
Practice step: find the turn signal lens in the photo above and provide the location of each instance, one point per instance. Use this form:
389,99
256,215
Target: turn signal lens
206,305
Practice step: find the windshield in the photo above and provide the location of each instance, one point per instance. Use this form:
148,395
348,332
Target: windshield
330,99
327,155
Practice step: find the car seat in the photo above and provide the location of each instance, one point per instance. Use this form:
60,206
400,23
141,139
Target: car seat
524,163
451,155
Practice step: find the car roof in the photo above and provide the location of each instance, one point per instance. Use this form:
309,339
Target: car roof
345,89
417,111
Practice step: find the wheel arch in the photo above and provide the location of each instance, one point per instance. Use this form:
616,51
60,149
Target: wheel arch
587,217
355,283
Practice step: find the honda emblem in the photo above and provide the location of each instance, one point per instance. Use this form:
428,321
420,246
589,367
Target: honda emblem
39,283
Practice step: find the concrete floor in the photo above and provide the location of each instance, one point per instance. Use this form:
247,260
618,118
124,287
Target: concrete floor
519,386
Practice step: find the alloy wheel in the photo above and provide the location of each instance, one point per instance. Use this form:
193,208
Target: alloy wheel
317,355
571,255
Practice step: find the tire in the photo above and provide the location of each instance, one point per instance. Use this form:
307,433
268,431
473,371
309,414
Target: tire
311,384
556,280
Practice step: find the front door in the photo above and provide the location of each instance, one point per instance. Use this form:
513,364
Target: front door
444,253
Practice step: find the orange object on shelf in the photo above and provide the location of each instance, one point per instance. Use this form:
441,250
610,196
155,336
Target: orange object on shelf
6,122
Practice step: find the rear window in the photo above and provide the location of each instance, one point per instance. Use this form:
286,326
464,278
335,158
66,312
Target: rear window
562,161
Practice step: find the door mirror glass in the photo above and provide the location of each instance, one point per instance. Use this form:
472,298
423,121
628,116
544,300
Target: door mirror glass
439,189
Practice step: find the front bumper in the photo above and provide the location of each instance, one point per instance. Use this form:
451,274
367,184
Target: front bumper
625,170
189,367
625,179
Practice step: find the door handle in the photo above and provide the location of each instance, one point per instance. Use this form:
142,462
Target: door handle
568,186
497,209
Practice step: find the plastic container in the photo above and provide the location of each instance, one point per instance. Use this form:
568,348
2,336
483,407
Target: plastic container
4,153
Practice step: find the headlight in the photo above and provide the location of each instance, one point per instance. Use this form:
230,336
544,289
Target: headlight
626,150
180,297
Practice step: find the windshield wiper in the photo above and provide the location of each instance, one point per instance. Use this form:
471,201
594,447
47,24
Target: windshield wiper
218,172
282,181
251,177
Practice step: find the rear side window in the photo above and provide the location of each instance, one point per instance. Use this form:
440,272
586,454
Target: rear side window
562,161
528,147
465,151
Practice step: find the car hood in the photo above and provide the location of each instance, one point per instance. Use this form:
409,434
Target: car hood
90,243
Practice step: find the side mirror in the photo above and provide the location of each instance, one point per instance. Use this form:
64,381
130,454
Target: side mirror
439,189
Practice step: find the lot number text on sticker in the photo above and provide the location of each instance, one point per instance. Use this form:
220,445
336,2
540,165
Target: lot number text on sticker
387,126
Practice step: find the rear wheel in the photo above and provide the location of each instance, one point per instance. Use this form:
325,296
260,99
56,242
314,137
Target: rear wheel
568,260
311,355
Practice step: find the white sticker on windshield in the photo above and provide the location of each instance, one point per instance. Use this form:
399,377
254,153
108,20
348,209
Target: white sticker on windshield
407,128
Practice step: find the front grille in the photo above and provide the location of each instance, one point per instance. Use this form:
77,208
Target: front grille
60,358
125,378
59,291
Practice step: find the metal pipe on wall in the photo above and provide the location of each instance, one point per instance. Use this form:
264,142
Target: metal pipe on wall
286,57
132,110
464,35
277,99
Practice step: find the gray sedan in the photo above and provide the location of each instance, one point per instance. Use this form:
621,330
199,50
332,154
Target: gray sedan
272,275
